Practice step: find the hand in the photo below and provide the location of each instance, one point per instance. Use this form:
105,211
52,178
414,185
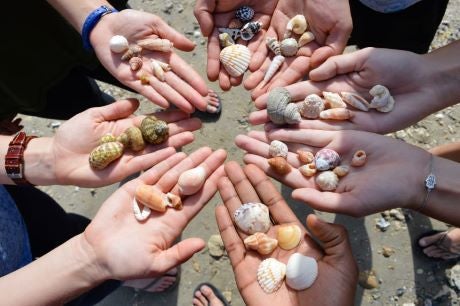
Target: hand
391,178
336,266
215,14
183,86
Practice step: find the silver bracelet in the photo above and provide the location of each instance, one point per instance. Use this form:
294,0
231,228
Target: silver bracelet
430,184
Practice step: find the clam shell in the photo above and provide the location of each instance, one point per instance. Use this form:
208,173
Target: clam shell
305,157
278,99
118,44
278,148
135,63
235,59
333,100
359,158
355,100
234,33
381,96
292,114
289,47
133,50
107,138
308,170
244,13
192,180
270,274
336,114
341,170
132,138
250,29
298,24
273,44
301,271
306,38
326,159
288,236
327,181
225,40
261,243
279,165
252,218
153,130
312,106
156,44
104,154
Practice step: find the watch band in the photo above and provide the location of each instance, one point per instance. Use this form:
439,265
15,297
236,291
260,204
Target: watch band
90,21
14,158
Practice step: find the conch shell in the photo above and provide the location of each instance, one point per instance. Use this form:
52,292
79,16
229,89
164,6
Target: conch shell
312,106
135,63
308,170
156,200
289,47
156,44
359,158
118,44
261,243
278,148
327,181
355,100
280,109
192,180
279,165
104,154
306,38
336,114
289,236
301,271
132,138
252,218
298,24
270,274
153,130
235,59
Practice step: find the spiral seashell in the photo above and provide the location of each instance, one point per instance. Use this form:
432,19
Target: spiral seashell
156,44
291,114
288,236
298,24
132,138
157,70
252,218
273,44
382,101
153,130
104,154
306,38
234,33
336,114
107,138
333,100
270,274
166,67
235,59
355,100
301,271
144,77
279,165
118,44
135,63
225,40
289,47
389,107
276,63
133,50
305,157
308,170
155,199
192,180
250,29
278,148
341,171
261,243
278,99
326,159
327,181
244,13
359,158
235,23
140,214
312,106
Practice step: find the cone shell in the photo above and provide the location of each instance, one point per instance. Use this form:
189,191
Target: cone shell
273,44
156,44
312,106
279,165
288,236
336,114
278,148
250,29
192,180
278,99
333,100
225,40
327,181
326,159
301,271
270,274
244,13
308,170
359,158
118,44
133,50
341,171
305,157
104,154
306,38
289,47
298,25
235,59
135,63
107,138
153,130
252,218
261,243
355,100
132,138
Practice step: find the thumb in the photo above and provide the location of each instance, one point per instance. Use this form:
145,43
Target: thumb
178,253
203,14
117,110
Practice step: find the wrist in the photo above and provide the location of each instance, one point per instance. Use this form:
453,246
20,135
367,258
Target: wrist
39,163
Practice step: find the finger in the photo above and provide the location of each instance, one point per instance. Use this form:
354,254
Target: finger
328,125
258,117
191,124
151,176
320,55
176,141
170,115
254,80
336,65
232,242
150,93
343,203
117,110
177,254
189,75
213,56
224,80
148,160
180,41
429,240
170,94
244,189
261,52
203,12
315,138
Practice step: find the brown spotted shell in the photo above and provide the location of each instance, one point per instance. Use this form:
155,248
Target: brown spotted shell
108,138
132,138
133,50
135,63
153,130
104,154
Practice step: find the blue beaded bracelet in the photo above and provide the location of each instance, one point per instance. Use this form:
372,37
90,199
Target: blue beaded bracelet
92,19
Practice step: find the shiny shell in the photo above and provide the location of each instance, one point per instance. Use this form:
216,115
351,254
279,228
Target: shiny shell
244,13
298,25
270,274
225,40
192,180
327,181
133,50
234,33
359,158
336,114
306,38
278,148
135,63
308,170
305,157
301,271
118,44
276,63
235,23
252,218
278,99
107,138
279,165
333,100
153,130
289,47
132,138
156,44
273,44
312,106
341,170
261,243
154,199
235,59
326,159
288,236
250,29
104,154
355,100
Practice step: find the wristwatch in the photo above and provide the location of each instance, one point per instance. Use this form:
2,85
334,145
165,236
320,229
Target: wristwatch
14,159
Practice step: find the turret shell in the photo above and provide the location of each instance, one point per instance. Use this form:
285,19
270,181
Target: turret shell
326,159
276,63
301,271
327,181
104,154
261,243
252,218
153,130
118,44
289,47
312,106
270,274
192,180
288,236
273,44
235,59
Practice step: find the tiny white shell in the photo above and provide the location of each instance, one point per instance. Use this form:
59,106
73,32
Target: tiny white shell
140,214
278,148
270,274
235,59
157,70
118,44
192,180
301,271
306,38
252,218
289,47
327,181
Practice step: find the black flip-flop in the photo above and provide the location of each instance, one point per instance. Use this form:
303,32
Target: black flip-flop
216,291
437,243
205,116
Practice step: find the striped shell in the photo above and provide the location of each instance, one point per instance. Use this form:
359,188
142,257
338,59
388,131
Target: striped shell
301,271
135,63
235,59
261,243
306,38
250,29
156,44
132,138
104,154
273,44
270,274
252,218
118,44
289,47
327,181
312,106
278,148
355,100
326,159
153,130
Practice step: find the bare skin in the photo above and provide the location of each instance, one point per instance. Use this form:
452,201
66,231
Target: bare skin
444,245
206,297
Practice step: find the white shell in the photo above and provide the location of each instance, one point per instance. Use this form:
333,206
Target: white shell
273,68
301,271
270,274
118,44
298,24
333,100
191,180
157,70
140,214
389,107
235,59
327,181
312,106
306,38
278,148
292,114
289,47
252,218
381,96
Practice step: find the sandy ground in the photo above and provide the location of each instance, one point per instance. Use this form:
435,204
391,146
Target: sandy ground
405,278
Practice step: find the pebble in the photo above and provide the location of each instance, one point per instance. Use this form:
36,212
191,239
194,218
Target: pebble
196,34
383,224
55,125
408,304
400,291
397,214
196,266
453,276
216,246
368,279
387,251
227,295
419,271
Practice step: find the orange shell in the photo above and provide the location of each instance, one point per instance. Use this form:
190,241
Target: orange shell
151,197
279,165
289,236
359,158
261,243
308,169
305,157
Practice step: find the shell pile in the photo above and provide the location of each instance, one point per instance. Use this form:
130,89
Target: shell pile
151,198
280,108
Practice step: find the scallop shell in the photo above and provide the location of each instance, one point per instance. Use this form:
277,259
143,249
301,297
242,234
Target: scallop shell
261,243
250,29
156,44
326,159
336,114
133,50
289,47
288,236
192,180
135,63
341,171
252,218
244,13
157,70
155,199
305,157
104,154
327,181
132,138
381,96
276,63
298,24
270,274
333,100
301,271
292,114
279,165
140,214
355,100
118,44
389,107
235,24
273,44
234,33
312,106
278,148
306,38
278,99
308,170
359,158
107,138
235,59
153,130
225,40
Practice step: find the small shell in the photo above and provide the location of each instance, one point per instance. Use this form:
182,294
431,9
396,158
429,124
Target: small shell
273,44
355,100
234,33
235,24
132,138
140,214
301,271
312,106
381,96
135,63
261,243
292,114
157,70
298,24
104,154
326,159
333,100
118,44
278,99
276,63
107,138
133,50
225,40
244,13
308,170
279,165
327,181
250,29
341,170
252,218
336,114
154,199
166,67
235,59
288,236
305,157
192,180
359,158
156,44
306,38
289,47
270,274
144,77
153,130
278,148
389,107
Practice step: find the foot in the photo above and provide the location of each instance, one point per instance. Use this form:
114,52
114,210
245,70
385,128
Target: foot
206,297
159,284
444,245
214,104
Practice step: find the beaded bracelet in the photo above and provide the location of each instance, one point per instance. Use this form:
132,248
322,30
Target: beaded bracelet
91,21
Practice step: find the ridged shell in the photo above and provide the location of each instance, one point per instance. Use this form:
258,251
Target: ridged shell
276,63
154,199
298,24
270,274
252,218
327,181
157,70
104,154
279,165
341,170
235,24
234,33
118,44
107,138
235,59
308,170
305,157
333,100
359,158
192,180
306,38
312,106
355,100
326,159
261,243
301,271
278,148
336,114
292,114
250,29
273,44
244,13
278,99
135,63
288,236
225,40
289,47
156,44
153,130
132,138
133,50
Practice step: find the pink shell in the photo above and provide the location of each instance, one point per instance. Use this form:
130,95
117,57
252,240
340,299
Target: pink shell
326,159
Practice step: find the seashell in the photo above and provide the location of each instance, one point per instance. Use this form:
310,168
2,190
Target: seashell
336,114
312,106
225,40
288,236
341,170
279,165
140,214
301,271
278,99
132,138
155,199
244,13
389,107
135,63
305,157
306,38
156,44
133,50
153,130
107,138
359,158
327,181
118,44
278,148
298,24
270,274
192,180
308,170
250,29
276,63
261,243
291,114
157,70
235,59
289,47
234,33
273,44
252,218
326,159
104,154
144,77
235,23
166,67
333,100
381,96
355,100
